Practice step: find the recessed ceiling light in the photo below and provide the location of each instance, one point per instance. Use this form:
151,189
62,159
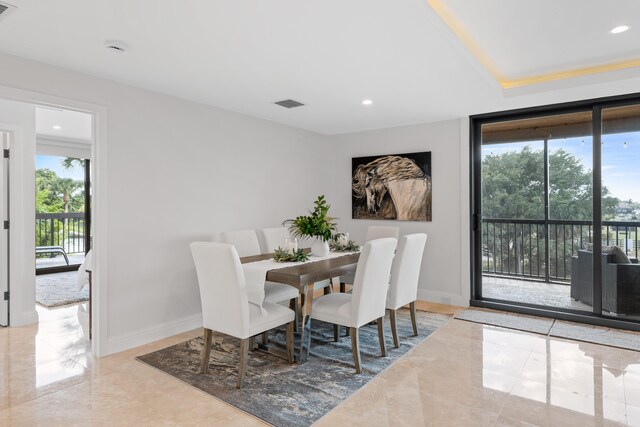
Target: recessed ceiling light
57,127
367,102
619,29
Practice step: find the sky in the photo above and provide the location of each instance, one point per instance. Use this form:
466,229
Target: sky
620,165
54,163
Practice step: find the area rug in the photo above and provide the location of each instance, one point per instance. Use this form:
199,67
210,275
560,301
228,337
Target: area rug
291,395
538,325
596,334
53,290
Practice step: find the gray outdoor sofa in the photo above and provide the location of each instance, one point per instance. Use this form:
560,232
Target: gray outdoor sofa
620,282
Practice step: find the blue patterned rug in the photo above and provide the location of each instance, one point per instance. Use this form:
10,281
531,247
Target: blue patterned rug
292,395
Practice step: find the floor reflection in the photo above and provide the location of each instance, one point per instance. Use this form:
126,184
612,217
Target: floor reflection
61,344
581,378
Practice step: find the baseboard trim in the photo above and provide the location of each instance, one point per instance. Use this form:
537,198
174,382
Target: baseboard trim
145,336
443,298
25,318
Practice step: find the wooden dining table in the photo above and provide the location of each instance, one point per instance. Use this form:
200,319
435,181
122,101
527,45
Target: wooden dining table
303,276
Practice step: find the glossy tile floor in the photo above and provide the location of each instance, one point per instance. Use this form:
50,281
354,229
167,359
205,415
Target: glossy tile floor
463,374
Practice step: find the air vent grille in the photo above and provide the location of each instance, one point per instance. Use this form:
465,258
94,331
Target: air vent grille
5,9
289,103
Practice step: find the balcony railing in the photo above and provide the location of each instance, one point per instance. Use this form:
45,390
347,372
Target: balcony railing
61,229
541,250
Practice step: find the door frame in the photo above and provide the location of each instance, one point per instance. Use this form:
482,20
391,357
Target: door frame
99,213
475,160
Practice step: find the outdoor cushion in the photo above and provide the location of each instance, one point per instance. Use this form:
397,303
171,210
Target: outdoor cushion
620,256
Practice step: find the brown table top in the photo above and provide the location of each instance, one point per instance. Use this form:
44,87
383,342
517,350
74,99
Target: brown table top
309,272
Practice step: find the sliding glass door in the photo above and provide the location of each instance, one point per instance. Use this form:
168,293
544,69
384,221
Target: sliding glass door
556,209
621,211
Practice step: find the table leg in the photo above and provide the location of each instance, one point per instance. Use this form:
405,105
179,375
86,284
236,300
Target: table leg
305,328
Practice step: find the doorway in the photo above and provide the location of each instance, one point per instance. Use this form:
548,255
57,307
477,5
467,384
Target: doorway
4,234
556,212
63,216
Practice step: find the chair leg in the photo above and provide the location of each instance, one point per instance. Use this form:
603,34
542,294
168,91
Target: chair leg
206,351
394,328
343,288
244,355
290,326
293,305
383,345
328,290
412,307
265,338
336,332
355,347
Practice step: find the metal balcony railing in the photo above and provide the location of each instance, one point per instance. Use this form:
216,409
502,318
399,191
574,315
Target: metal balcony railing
542,250
61,229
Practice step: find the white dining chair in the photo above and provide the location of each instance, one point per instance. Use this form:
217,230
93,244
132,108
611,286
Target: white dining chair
273,238
373,232
226,308
367,301
405,273
245,241
247,244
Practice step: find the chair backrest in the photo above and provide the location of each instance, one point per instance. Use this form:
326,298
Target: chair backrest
223,293
380,232
245,241
274,238
405,270
372,281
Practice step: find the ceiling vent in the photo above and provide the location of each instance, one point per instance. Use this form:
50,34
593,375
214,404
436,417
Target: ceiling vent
6,9
116,46
289,103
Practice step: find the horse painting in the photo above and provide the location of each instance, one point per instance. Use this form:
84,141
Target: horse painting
392,187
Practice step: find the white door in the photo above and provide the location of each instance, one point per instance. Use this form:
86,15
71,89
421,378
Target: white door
4,232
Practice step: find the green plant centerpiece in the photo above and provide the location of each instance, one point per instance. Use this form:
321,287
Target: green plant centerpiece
318,224
283,255
340,243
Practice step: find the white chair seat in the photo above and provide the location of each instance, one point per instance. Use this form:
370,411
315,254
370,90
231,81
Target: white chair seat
279,292
277,315
333,308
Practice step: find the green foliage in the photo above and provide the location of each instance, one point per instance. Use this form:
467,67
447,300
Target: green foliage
513,187
55,194
282,255
317,224
71,162
336,246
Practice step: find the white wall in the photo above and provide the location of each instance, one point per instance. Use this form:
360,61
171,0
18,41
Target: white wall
444,277
179,170
22,210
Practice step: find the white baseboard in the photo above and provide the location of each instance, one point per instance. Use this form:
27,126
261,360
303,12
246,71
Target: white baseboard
165,330
443,298
24,318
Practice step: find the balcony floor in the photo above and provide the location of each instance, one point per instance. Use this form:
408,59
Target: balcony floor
58,260
524,291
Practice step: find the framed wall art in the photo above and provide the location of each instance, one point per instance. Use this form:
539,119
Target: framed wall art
395,186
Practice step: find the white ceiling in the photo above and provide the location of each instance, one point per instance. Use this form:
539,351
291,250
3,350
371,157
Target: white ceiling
525,39
244,55
73,126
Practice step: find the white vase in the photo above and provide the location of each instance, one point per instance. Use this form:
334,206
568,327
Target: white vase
319,248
